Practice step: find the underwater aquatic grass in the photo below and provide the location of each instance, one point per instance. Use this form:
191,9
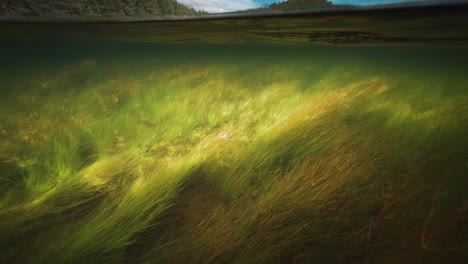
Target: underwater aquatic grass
307,164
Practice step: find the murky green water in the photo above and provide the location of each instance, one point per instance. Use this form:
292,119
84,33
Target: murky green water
306,138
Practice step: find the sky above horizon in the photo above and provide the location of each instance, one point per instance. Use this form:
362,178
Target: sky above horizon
218,6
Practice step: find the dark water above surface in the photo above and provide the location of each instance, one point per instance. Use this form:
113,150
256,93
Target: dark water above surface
418,35
422,33
423,24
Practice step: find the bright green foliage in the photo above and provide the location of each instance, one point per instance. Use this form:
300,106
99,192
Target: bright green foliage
320,156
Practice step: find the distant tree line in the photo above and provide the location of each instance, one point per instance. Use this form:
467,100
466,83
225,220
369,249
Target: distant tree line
94,8
65,8
297,4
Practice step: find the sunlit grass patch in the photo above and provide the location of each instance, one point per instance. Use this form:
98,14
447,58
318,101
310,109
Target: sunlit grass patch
299,164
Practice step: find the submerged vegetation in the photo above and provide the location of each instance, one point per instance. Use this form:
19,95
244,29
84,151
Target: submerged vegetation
303,158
